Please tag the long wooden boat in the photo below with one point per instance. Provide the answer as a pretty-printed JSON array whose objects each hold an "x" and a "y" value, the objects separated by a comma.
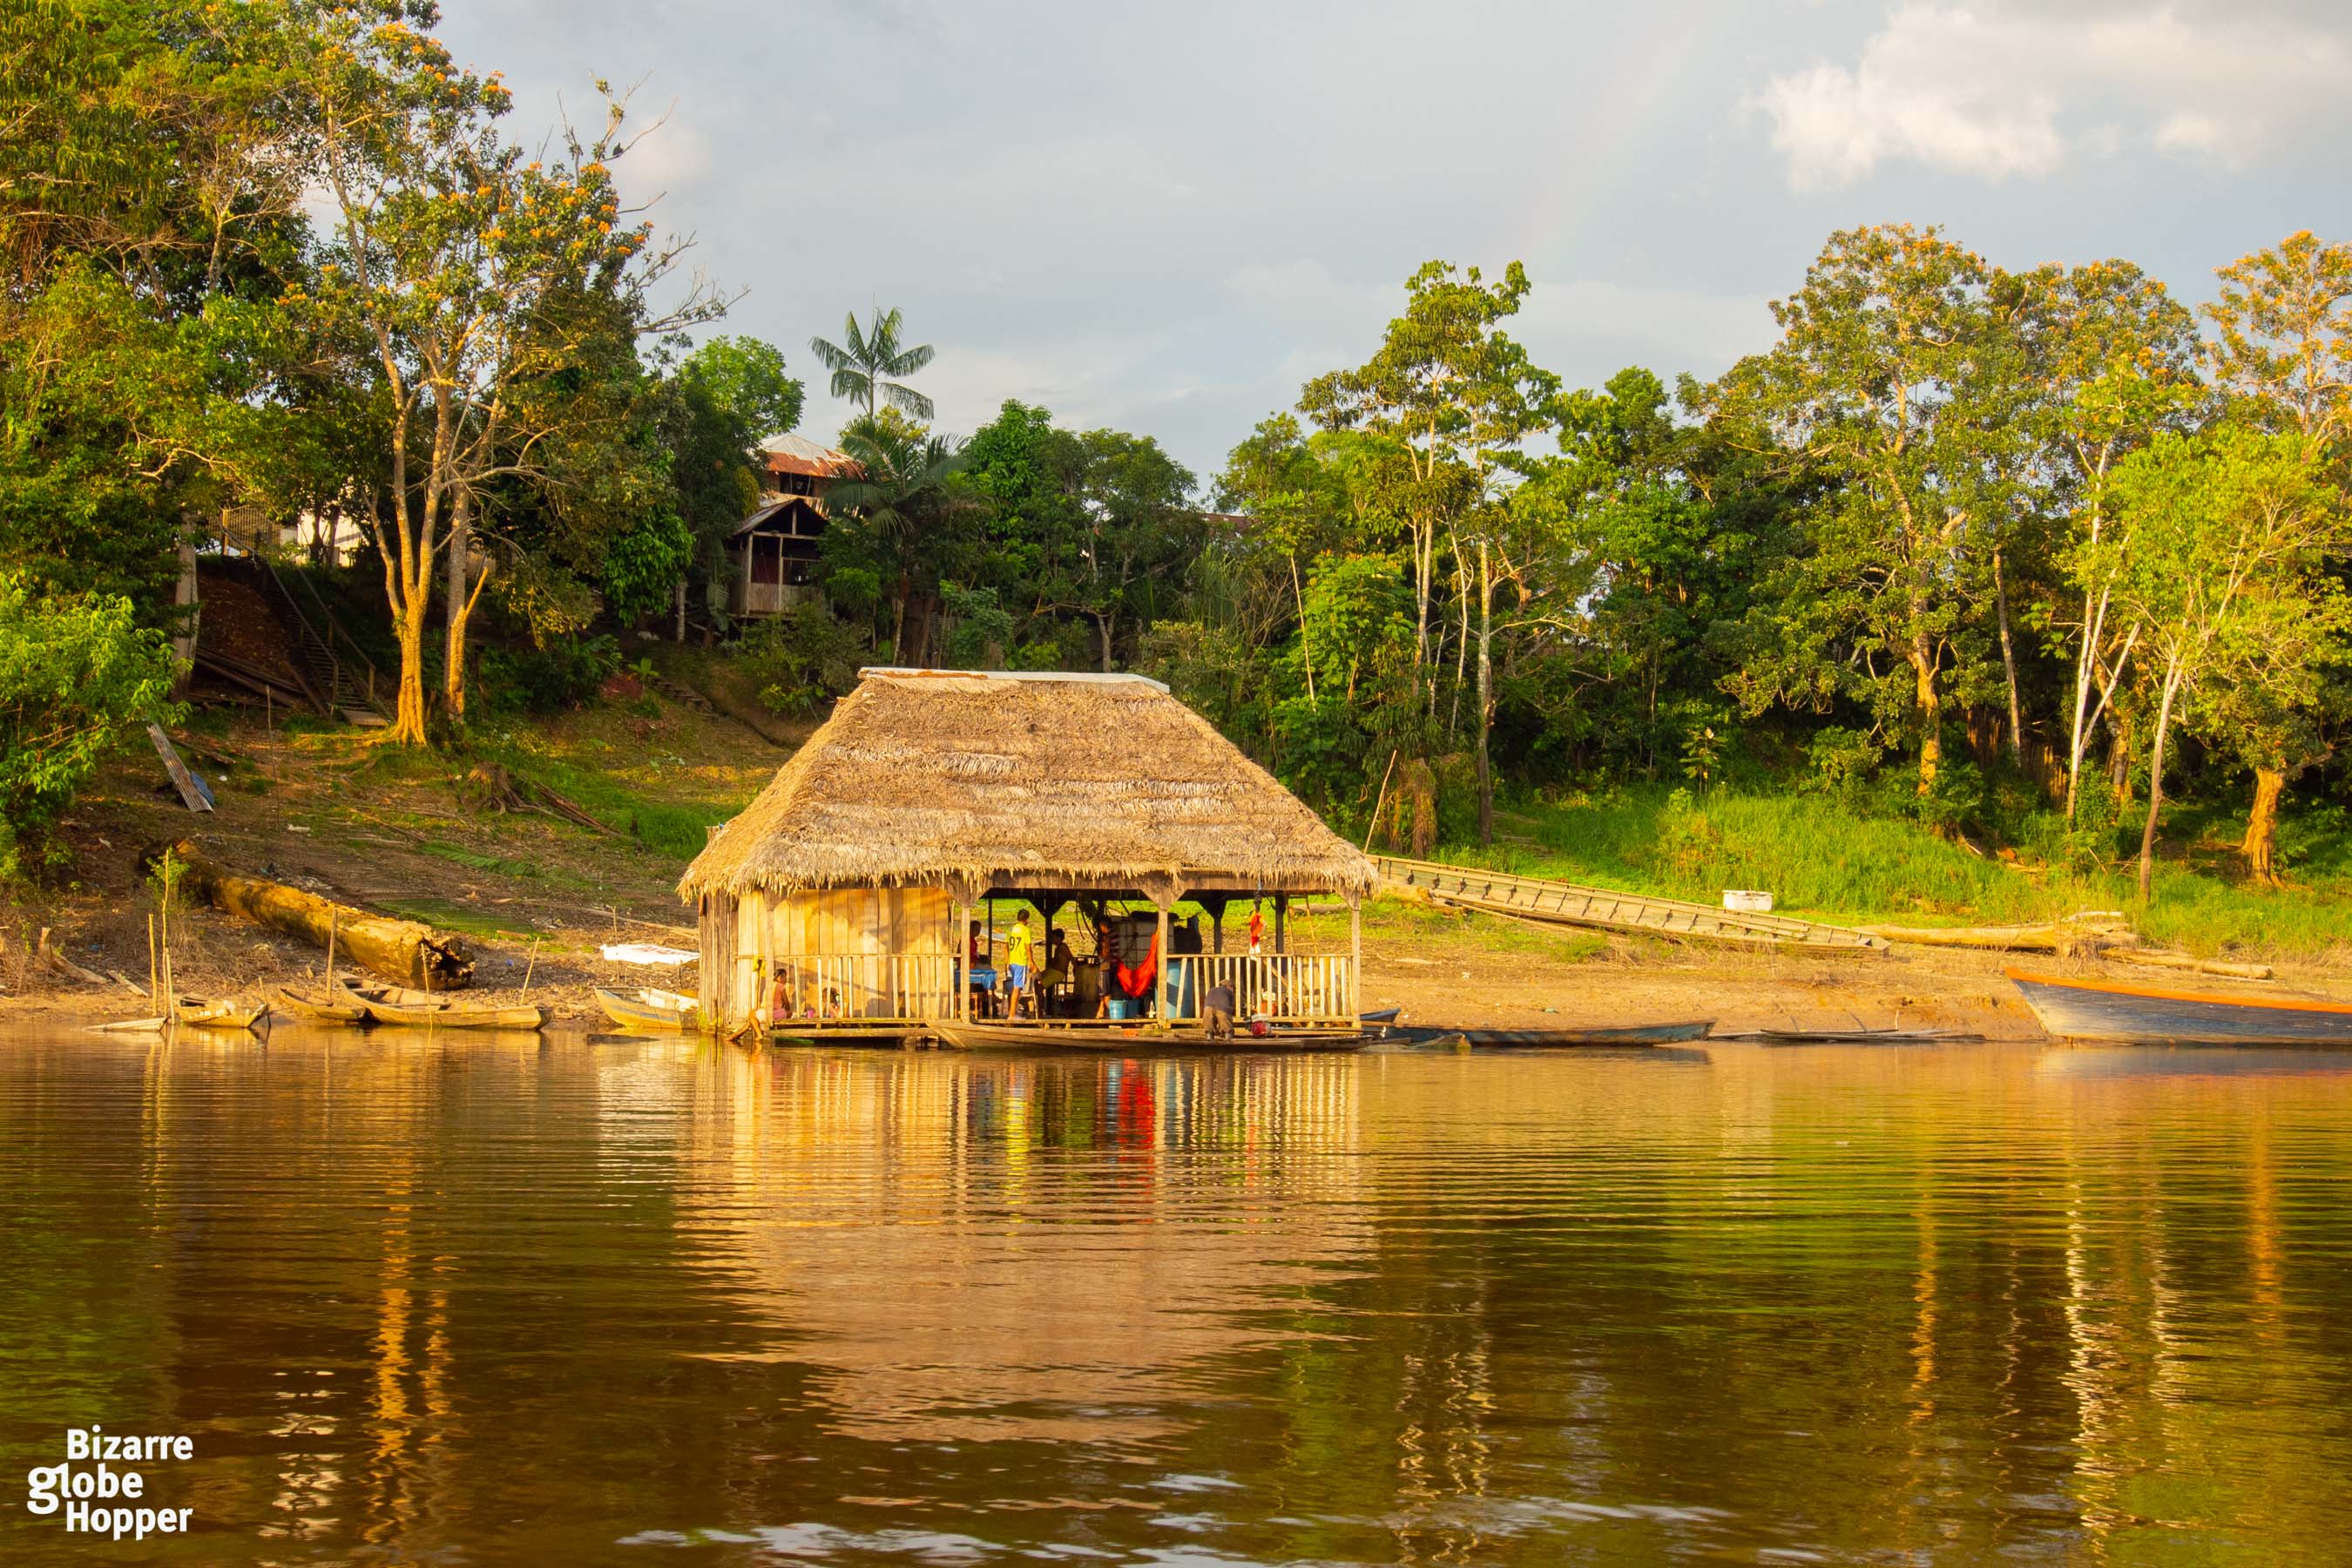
[
  {"x": 1131, "y": 1041},
  {"x": 2147, "y": 1014},
  {"x": 1550, "y": 1040},
  {"x": 647, "y": 1009},
  {"x": 1600, "y": 909},
  {"x": 1861, "y": 1036},
  {"x": 452, "y": 1016}
]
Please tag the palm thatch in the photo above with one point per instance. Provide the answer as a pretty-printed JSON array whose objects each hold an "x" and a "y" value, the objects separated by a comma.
[{"x": 925, "y": 778}]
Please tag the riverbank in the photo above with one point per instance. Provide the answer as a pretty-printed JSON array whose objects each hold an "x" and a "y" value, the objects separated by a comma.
[{"x": 538, "y": 894}]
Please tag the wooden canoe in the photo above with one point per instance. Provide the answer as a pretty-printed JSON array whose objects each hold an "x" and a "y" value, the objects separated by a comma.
[
  {"x": 2150, "y": 1016},
  {"x": 1132, "y": 1040},
  {"x": 1549, "y": 1039},
  {"x": 318, "y": 1005},
  {"x": 449, "y": 1016},
  {"x": 1865, "y": 1036},
  {"x": 647, "y": 1009},
  {"x": 196, "y": 1012}
]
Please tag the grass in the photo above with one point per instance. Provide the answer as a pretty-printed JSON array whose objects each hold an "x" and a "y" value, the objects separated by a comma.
[{"x": 1823, "y": 859}]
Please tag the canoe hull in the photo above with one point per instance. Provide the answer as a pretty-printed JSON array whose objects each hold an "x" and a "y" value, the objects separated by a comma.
[
  {"x": 637, "y": 1010},
  {"x": 400, "y": 1017},
  {"x": 320, "y": 1008},
  {"x": 1549, "y": 1039},
  {"x": 2105, "y": 1010}
]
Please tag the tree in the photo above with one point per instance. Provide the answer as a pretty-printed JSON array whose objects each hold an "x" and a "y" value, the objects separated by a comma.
[
  {"x": 2283, "y": 343},
  {"x": 717, "y": 406},
  {"x": 2113, "y": 356},
  {"x": 2218, "y": 539},
  {"x": 451, "y": 259},
  {"x": 896, "y": 499},
  {"x": 1445, "y": 393},
  {"x": 75, "y": 672},
  {"x": 1893, "y": 384},
  {"x": 872, "y": 354}
]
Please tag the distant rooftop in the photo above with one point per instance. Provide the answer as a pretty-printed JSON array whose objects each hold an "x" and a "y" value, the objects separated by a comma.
[{"x": 789, "y": 454}]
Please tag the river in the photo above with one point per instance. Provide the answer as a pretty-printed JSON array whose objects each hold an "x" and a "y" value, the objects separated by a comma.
[{"x": 573, "y": 1300}]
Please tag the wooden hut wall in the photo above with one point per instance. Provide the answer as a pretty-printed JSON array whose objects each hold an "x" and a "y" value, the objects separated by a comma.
[{"x": 855, "y": 952}]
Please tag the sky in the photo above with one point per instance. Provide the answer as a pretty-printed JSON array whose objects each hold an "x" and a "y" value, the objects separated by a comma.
[{"x": 1164, "y": 218}]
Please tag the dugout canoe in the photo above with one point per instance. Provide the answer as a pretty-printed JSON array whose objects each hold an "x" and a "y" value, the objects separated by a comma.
[
  {"x": 2153, "y": 1016},
  {"x": 1550, "y": 1040},
  {"x": 451, "y": 1015},
  {"x": 647, "y": 1009}
]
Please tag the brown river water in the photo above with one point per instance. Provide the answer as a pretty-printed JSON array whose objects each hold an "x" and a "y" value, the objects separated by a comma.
[{"x": 514, "y": 1300}]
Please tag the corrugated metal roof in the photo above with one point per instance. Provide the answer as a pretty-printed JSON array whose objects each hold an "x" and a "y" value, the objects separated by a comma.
[{"x": 789, "y": 454}]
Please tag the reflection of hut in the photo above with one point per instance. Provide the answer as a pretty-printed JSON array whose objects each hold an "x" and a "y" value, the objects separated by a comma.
[
  {"x": 929, "y": 793},
  {"x": 776, "y": 546}
]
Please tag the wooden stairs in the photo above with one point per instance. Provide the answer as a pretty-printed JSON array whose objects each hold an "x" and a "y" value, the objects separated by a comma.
[
  {"x": 1600, "y": 909},
  {"x": 342, "y": 681}
]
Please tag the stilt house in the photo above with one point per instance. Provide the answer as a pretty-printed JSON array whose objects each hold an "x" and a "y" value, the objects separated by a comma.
[{"x": 931, "y": 794}]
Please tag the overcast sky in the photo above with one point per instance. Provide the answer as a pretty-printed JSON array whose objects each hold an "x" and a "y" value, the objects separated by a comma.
[{"x": 1165, "y": 217}]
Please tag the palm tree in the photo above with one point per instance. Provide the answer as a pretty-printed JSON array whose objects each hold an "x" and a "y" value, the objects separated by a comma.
[
  {"x": 859, "y": 369},
  {"x": 900, "y": 493}
]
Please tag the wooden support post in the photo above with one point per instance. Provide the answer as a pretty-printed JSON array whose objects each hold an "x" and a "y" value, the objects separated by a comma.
[
  {"x": 959, "y": 971},
  {"x": 1355, "y": 959},
  {"x": 1217, "y": 929},
  {"x": 1281, "y": 923},
  {"x": 1160, "y": 980}
]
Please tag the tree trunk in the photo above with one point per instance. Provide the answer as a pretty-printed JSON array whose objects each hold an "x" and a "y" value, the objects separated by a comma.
[
  {"x": 1103, "y": 628},
  {"x": 183, "y": 598},
  {"x": 2009, "y": 664},
  {"x": 2078, "y": 734},
  {"x": 402, "y": 951},
  {"x": 408, "y": 712},
  {"x": 453, "y": 672},
  {"x": 1485, "y": 695},
  {"x": 1931, "y": 713},
  {"x": 2261, "y": 844},
  {"x": 1306, "y": 649},
  {"x": 2156, "y": 781},
  {"x": 680, "y": 638}
]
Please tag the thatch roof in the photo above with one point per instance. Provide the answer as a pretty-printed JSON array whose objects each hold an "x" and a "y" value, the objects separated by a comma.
[{"x": 926, "y": 777}]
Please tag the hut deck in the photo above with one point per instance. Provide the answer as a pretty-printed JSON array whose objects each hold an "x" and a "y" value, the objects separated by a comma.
[
  {"x": 1600, "y": 908},
  {"x": 1086, "y": 1035}
]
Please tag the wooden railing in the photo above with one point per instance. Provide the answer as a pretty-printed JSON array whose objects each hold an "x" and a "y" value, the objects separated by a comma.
[
  {"x": 771, "y": 598},
  {"x": 854, "y": 986},
  {"x": 1288, "y": 988}
]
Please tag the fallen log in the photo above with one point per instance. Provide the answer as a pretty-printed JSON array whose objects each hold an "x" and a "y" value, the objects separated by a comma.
[
  {"x": 402, "y": 951},
  {"x": 2157, "y": 959},
  {"x": 2006, "y": 939}
]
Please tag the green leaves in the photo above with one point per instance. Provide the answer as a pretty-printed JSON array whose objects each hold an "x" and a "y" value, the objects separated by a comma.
[{"x": 75, "y": 672}]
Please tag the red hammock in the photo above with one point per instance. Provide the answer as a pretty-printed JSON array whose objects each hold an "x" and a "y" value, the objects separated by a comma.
[{"x": 1134, "y": 982}]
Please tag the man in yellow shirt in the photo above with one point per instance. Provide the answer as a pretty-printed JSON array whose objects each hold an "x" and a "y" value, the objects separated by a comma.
[{"x": 1016, "y": 963}]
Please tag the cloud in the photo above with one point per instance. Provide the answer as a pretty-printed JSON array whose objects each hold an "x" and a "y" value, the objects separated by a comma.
[{"x": 1993, "y": 92}]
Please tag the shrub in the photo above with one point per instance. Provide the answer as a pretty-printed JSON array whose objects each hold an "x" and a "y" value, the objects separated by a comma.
[
  {"x": 562, "y": 675},
  {"x": 75, "y": 672},
  {"x": 800, "y": 660}
]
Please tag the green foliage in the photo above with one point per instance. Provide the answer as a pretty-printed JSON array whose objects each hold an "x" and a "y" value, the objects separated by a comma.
[
  {"x": 869, "y": 364},
  {"x": 800, "y": 659},
  {"x": 75, "y": 674},
  {"x": 565, "y": 674}
]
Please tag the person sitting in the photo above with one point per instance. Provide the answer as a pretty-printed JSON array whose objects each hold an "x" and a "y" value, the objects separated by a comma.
[{"x": 1056, "y": 975}]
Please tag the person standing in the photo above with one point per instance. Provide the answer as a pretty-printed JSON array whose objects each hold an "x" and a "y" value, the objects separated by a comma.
[
  {"x": 1016, "y": 963},
  {"x": 1257, "y": 927}
]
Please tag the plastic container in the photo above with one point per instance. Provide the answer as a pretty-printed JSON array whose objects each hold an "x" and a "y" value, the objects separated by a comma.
[
  {"x": 1117, "y": 1008},
  {"x": 1747, "y": 900}
]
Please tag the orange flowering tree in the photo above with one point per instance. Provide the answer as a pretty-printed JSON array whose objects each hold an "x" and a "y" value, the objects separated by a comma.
[{"x": 480, "y": 287}]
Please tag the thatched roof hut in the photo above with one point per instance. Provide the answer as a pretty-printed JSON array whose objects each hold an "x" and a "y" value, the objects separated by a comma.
[
  {"x": 934, "y": 778},
  {"x": 929, "y": 791}
]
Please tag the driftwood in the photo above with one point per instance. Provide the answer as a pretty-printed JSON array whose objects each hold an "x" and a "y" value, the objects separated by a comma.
[
  {"x": 504, "y": 791},
  {"x": 2157, "y": 959},
  {"x": 2052, "y": 938},
  {"x": 402, "y": 951}
]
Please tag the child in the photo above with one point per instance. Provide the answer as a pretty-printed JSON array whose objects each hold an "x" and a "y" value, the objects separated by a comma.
[
  {"x": 1256, "y": 926},
  {"x": 1016, "y": 962}
]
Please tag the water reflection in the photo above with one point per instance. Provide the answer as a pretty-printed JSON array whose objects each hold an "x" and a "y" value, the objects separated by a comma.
[{"x": 570, "y": 1300}]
